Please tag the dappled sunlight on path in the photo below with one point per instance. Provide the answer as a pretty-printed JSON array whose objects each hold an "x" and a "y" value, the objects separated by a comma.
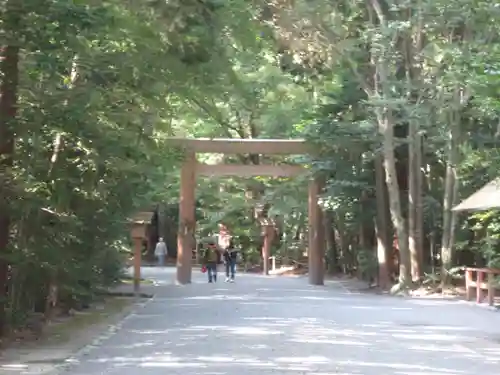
[{"x": 265, "y": 326}]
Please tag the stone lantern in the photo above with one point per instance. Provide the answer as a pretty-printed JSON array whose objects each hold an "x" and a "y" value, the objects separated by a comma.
[{"x": 138, "y": 232}]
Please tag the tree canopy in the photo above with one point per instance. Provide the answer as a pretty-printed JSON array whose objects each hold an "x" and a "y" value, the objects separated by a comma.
[{"x": 400, "y": 100}]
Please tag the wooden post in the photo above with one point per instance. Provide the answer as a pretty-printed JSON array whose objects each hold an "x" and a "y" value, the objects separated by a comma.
[
  {"x": 137, "y": 263},
  {"x": 468, "y": 284},
  {"x": 266, "y": 248},
  {"x": 491, "y": 288},
  {"x": 479, "y": 286},
  {"x": 185, "y": 235},
  {"x": 316, "y": 236}
]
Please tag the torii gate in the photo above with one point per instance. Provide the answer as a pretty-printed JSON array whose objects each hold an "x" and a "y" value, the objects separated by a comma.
[{"x": 191, "y": 168}]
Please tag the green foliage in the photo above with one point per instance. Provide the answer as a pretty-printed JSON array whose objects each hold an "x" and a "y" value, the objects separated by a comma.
[
  {"x": 103, "y": 85},
  {"x": 99, "y": 89}
]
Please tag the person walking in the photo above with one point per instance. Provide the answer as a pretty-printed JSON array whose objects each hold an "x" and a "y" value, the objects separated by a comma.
[
  {"x": 210, "y": 259},
  {"x": 161, "y": 251},
  {"x": 230, "y": 257}
]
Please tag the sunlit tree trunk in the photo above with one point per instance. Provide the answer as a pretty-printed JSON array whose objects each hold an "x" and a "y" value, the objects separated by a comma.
[
  {"x": 449, "y": 200},
  {"x": 413, "y": 46},
  {"x": 382, "y": 223},
  {"x": 382, "y": 94},
  {"x": 453, "y": 110},
  {"x": 386, "y": 129},
  {"x": 415, "y": 202}
]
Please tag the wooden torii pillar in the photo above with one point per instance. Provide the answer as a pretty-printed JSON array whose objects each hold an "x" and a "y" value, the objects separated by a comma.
[
  {"x": 185, "y": 235},
  {"x": 191, "y": 168}
]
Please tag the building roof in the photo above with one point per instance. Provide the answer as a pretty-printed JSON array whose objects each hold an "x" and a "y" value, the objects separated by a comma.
[{"x": 486, "y": 198}]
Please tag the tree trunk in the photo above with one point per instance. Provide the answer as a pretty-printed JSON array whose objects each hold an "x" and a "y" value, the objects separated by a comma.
[
  {"x": 382, "y": 223},
  {"x": 268, "y": 232},
  {"x": 286, "y": 250},
  {"x": 413, "y": 65},
  {"x": 9, "y": 71},
  {"x": 340, "y": 235},
  {"x": 364, "y": 241},
  {"x": 419, "y": 215},
  {"x": 430, "y": 255},
  {"x": 450, "y": 198},
  {"x": 57, "y": 149},
  {"x": 332, "y": 257},
  {"x": 382, "y": 93},
  {"x": 460, "y": 99},
  {"x": 415, "y": 201},
  {"x": 386, "y": 129}
]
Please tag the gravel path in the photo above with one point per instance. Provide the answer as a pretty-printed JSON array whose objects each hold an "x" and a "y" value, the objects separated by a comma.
[{"x": 264, "y": 325}]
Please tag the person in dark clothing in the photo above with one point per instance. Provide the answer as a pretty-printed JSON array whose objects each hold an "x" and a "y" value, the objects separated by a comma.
[
  {"x": 210, "y": 259},
  {"x": 230, "y": 257}
]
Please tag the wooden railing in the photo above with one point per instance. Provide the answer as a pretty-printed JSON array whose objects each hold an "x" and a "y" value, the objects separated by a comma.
[{"x": 481, "y": 279}]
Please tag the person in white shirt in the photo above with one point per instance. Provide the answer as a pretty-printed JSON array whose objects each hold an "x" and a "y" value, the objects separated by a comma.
[{"x": 161, "y": 252}]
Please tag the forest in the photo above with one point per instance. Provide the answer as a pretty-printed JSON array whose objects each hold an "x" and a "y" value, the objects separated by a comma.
[{"x": 399, "y": 99}]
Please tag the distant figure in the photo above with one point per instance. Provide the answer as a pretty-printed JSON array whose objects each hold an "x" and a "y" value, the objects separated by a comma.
[
  {"x": 210, "y": 259},
  {"x": 230, "y": 257},
  {"x": 161, "y": 251}
]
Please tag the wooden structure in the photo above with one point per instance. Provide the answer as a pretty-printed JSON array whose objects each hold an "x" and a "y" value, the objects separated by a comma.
[
  {"x": 191, "y": 168},
  {"x": 139, "y": 224},
  {"x": 481, "y": 279},
  {"x": 475, "y": 279},
  {"x": 486, "y": 198}
]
